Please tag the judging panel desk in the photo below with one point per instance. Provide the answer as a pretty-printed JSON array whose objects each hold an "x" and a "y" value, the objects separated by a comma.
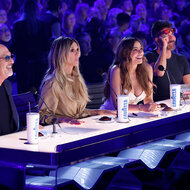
[{"x": 73, "y": 143}]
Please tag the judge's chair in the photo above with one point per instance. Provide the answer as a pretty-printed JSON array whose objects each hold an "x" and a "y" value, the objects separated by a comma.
[
  {"x": 96, "y": 94},
  {"x": 25, "y": 102}
]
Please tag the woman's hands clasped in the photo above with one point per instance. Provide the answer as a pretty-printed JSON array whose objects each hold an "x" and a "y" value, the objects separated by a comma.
[
  {"x": 150, "y": 107},
  {"x": 71, "y": 121}
]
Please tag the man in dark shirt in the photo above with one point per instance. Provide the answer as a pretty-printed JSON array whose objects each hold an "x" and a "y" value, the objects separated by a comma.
[
  {"x": 175, "y": 64},
  {"x": 8, "y": 113}
]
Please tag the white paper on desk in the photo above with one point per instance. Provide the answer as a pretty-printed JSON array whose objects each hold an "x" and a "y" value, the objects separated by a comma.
[
  {"x": 142, "y": 115},
  {"x": 77, "y": 130}
]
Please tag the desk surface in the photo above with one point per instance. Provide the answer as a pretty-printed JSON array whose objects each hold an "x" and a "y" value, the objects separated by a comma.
[{"x": 91, "y": 138}]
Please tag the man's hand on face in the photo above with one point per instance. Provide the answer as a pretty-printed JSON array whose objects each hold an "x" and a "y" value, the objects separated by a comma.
[{"x": 163, "y": 41}]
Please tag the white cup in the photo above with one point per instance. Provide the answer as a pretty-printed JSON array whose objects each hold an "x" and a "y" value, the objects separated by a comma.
[
  {"x": 175, "y": 90},
  {"x": 32, "y": 120},
  {"x": 122, "y": 108}
]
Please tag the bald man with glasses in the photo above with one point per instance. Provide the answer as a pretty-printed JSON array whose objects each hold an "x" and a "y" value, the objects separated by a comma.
[
  {"x": 164, "y": 60},
  {"x": 8, "y": 113}
]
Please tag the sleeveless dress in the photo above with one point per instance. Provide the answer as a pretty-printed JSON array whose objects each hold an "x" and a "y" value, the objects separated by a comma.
[{"x": 108, "y": 104}]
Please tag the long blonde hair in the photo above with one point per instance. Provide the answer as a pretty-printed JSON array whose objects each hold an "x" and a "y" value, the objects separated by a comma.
[
  {"x": 122, "y": 60},
  {"x": 57, "y": 58}
]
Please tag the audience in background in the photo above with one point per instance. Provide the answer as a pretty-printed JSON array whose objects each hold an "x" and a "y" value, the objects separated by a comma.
[
  {"x": 97, "y": 30},
  {"x": 179, "y": 8},
  {"x": 93, "y": 13},
  {"x": 109, "y": 48},
  {"x": 134, "y": 25},
  {"x": 3, "y": 16},
  {"x": 103, "y": 9},
  {"x": 6, "y": 5},
  {"x": 142, "y": 13},
  {"x": 73, "y": 3},
  {"x": 68, "y": 23},
  {"x": 86, "y": 67},
  {"x": 184, "y": 31},
  {"x": 30, "y": 45},
  {"x": 140, "y": 10},
  {"x": 51, "y": 18},
  {"x": 151, "y": 12},
  {"x": 112, "y": 17},
  {"x": 81, "y": 15},
  {"x": 127, "y": 7},
  {"x": 98, "y": 18},
  {"x": 164, "y": 13},
  {"x": 141, "y": 35},
  {"x": 123, "y": 21},
  {"x": 84, "y": 40},
  {"x": 5, "y": 35},
  {"x": 14, "y": 14},
  {"x": 63, "y": 8},
  {"x": 108, "y": 3}
]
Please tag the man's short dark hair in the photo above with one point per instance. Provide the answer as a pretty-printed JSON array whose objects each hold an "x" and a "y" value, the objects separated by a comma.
[
  {"x": 122, "y": 18},
  {"x": 157, "y": 26}
]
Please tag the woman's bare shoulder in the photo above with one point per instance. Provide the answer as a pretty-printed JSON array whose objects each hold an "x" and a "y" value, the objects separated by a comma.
[
  {"x": 115, "y": 69},
  {"x": 148, "y": 68}
]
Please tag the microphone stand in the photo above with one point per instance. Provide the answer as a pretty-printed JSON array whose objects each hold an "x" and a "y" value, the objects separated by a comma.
[
  {"x": 182, "y": 95},
  {"x": 54, "y": 120},
  {"x": 168, "y": 77},
  {"x": 114, "y": 94}
]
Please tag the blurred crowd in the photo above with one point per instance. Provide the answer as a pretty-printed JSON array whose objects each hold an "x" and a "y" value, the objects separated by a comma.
[{"x": 28, "y": 28}]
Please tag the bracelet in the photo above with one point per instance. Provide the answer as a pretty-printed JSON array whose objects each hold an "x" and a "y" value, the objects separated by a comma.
[{"x": 140, "y": 107}]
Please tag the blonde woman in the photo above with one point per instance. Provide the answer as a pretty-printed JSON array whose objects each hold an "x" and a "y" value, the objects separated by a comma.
[
  {"x": 63, "y": 88},
  {"x": 131, "y": 75}
]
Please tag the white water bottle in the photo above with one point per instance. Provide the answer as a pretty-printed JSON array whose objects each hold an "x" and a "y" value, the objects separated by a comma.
[
  {"x": 175, "y": 90},
  {"x": 32, "y": 120},
  {"x": 122, "y": 108}
]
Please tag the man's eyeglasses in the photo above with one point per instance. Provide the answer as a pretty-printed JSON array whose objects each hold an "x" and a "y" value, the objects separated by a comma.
[
  {"x": 8, "y": 57},
  {"x": 166, "y": 31}
]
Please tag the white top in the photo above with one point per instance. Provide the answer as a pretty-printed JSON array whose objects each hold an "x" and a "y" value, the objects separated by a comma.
[
  {"x": 108, "y": 104},
  {"x": 135, "y": 99}
]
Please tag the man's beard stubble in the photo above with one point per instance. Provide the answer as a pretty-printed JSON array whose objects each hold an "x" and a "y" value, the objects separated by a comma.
[{"x": 171, "y": 45}]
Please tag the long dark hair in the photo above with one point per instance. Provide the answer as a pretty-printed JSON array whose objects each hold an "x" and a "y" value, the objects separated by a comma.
[{"x": 122, "y": 60}]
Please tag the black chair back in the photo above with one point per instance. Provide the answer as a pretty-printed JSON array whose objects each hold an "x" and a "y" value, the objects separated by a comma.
[
  {"x": 96, "y": 94},
  {"x": 24, "y": 102}
]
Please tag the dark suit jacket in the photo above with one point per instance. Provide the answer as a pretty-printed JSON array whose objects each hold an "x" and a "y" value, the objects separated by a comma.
[{"x": 8, "y": 89}]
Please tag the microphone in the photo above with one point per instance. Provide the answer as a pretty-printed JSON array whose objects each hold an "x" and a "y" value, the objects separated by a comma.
[
  {"x": 54, "y": 120},
  {"x": 161, "y": 68}
]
